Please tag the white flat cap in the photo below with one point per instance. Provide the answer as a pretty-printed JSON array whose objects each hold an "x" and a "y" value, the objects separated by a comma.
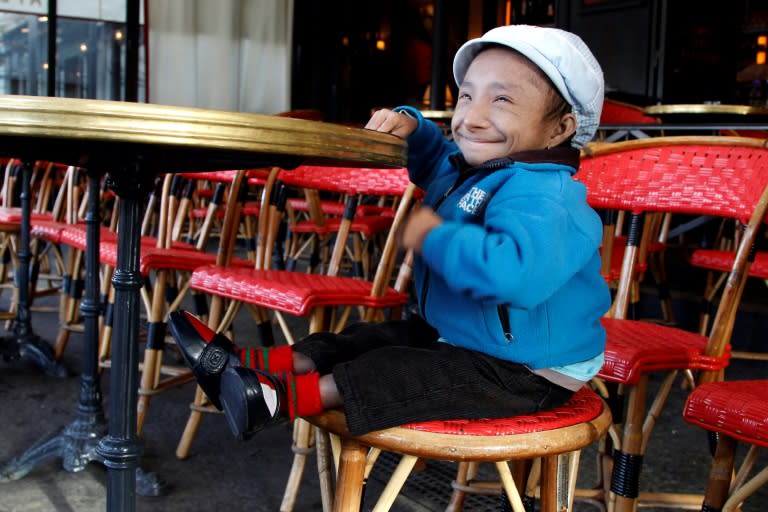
[{"x": 562, "y": 56}]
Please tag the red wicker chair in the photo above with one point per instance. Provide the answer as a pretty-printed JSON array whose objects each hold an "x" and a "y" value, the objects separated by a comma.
[
  {"x": 716, "y": 176},
  {"x": 621, "y": 113},
  {"x": 737, "y": 411},
  {"x": 316, "y": 296},
  {"x": 554, "y": 436},
  {"x": 718, "y": 261}
]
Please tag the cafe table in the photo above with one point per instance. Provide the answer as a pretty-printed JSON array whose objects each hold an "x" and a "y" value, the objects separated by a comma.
[
  {"x": 131, "y": 143},
  {"x": 708, "y": 113}
]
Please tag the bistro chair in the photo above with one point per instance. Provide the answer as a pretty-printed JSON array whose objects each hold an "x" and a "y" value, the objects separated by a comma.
[
  {"x": 717, "y": 262},
  {"x": 555, "y": 437},
  {"x": 717, "y": 176},
  {"x": 171, "y": 266},
  {"x": 326, "y": 198},
  {"x": 622, "y": 113},
  {"x": 325, "y": 299},
  {"x": 734, "y": 411},
  {"x": 45, "y": 207}
]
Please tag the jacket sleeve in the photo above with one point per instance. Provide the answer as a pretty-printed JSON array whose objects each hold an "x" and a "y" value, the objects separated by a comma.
[
  {"x": 529, "y": 245},
  {"x": 427, "y": 148}
]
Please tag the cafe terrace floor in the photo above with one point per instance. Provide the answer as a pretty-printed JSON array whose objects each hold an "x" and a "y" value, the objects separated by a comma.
[{"x": 250, "y": 476}]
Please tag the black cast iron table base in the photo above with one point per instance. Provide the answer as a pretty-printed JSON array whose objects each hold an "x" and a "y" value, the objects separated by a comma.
[
  {"x": 77, "y": 444},
  {"x": 24, "y": 345}
]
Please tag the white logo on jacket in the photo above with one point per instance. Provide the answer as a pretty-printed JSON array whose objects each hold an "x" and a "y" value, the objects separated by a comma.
[{"x": 472, "y": 200}]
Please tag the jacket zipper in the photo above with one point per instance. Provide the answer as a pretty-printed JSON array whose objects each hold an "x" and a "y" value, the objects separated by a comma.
[{"x": 506, "y": 327}]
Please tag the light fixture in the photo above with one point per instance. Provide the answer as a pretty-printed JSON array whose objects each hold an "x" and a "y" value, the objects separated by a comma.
[{"x": 762, "y": 42}]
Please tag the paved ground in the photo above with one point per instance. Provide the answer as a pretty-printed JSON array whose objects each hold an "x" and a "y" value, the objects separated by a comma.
[{"x": 251, "y": 475}]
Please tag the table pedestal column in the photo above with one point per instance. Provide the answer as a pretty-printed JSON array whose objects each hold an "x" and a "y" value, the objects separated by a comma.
[
  {"x": 120, "y": 449},
  {"x": 76, "y": 444},
  {"x": 24, "y": 345}
]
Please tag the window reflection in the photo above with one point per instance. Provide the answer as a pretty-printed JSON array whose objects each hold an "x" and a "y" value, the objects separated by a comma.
[{"x": 90, "y": 59}]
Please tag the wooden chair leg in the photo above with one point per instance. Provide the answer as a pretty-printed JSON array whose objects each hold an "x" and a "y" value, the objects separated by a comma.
[
  {"x": 456, "y": 502},
  {"x": 193, "y": 424},
  {"x": 510, "y": 487},
  {"x": 153, "y": 353},
  {"x": 302, "y": 446},
  {"x": 720, "y": 475},
  {"x": 326, "y": 469},
  {"x": 624, "y": 480},
  {"x": 349, "y": 487}
]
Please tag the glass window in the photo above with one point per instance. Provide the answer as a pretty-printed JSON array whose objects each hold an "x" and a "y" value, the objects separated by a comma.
[{"x": 90, "y": 49}]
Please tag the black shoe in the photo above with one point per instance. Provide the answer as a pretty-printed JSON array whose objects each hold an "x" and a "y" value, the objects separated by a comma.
[
  {"x": 205, "y": 351},
  {"x": 250, "y": 398}
]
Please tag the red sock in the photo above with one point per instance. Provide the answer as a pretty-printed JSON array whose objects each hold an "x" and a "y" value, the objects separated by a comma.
[
  {"x": 275, "y": 360},
  {"x": 303, "y": 395}
]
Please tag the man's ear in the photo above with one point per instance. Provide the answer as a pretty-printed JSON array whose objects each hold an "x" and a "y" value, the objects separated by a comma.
[{"x": 562, "y": 130}]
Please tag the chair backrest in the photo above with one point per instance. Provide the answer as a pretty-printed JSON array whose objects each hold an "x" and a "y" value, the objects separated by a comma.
[
  {"x": 701, "y": 175},
  {"x": 618, "y": 112},
  {"x": 350, "y": 182}
]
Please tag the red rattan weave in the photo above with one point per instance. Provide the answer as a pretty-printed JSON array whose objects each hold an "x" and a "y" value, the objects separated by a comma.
[
  {"x": 636, "y": 347},
  {"x": 583, "y": 406},
  {"x": 616, "y": 112},
  {"x": 13, "y": 216},
  {"x": 294, "y": 293},
  {"x": 49, "y": 230},
  {"x": 75, "y": 236},
  {"x": 723, "y": 261},
  {"x": 687, "y": 178},
  {"x": 737, "y": 408},
  {"x": 352, "y": 180},
  {"x": 153, "y": 258},
  {"x": 368, "y": 225}
]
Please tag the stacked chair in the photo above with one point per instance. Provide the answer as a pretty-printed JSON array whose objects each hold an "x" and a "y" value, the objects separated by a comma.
[
  {"x": 701, "y": 176},
  {"x": 46, "y": 207},
  {"x": 717, "y": 261},
  {"x": 326, "y": 299},
  {"x": 622, "y": 113},
  {"x": 166, "y": 266}
]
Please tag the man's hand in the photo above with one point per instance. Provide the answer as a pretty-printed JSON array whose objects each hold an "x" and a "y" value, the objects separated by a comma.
[
  {"x": 416, "y": 226},
  {"x": 387, "y": 121}
]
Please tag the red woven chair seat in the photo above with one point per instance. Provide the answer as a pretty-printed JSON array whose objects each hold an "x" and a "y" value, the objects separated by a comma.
[
  {"x": 736, "y": 408},
  {"x": 368, "y": 225},
  {"x": 250, "y": 208},
  {"x": 723, "y": 261},
  {"x": 582, "y": 407},
  {"x": 153, "y": 258},
  {"x": 294, "y": 293},
  {"x": 201, "y": 213},
  {"x": 255, "y": 176},
  {"x": 13, "y": 216},
  {"x": 636, "y": 347},
  {"x": 75, "y": 236},
  {"x": 388, "y": 182},
  {"x": 617, "y": 258},
  {"x": 49, "y": 230},
  {"x": 336, "y": 209}
]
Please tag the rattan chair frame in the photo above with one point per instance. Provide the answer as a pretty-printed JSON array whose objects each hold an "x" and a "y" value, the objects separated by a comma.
[{"x": 700, "y": 180}]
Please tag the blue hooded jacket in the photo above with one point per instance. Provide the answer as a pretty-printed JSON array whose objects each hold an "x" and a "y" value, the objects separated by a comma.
[{"x": 514, "y": 269}]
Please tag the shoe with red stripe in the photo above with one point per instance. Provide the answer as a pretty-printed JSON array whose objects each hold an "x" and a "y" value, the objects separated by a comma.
[{"x": 205, "y": 351}]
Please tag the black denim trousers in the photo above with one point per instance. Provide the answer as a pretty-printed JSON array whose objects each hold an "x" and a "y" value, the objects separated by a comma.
[{"x": 397, "y": 372}]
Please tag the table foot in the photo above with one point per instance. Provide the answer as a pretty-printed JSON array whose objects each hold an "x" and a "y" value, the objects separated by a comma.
[
  {"x": 150, "y": 484},
  {"x": 76, "y": 446},
  {"x": 34, "y": 351}
]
